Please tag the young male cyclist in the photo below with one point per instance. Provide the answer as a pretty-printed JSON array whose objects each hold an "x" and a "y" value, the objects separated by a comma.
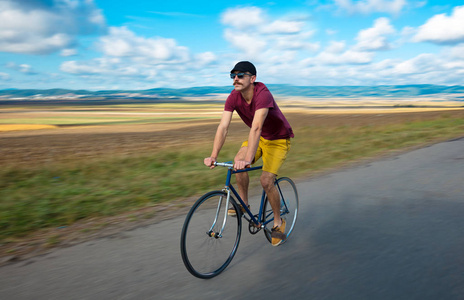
[{"x": 269, "y": 138}]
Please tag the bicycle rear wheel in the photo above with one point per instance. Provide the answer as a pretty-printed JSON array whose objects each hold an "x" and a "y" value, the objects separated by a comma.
[
  {"x": 288, "y": 207},
  {"x": 205, "y": 251}
]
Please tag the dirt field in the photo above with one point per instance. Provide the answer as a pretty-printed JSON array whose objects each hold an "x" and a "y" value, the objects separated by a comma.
[{"x": 35, "y": 147}]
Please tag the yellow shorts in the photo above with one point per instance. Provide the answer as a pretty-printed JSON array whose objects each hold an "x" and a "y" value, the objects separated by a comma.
[{"x": 273, "y": 152}]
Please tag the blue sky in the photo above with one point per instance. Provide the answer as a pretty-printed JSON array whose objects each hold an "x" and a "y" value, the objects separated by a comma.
[{"x": 142, "y": 44}]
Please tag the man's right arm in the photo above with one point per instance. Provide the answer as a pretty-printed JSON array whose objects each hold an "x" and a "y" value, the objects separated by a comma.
[{"x": 220, "y": 138}]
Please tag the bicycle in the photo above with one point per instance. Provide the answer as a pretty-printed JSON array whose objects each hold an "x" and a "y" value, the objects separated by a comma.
[{"x": 210, "y": 238}]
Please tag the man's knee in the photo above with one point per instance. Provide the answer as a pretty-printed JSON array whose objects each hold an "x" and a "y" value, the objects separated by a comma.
[{"x": 267, "y": 180}]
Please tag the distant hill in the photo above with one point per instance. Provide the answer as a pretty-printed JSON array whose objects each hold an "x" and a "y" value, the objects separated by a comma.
[
  {"x": 366, "y": 91},
  {"x": 276, "y": 89}
]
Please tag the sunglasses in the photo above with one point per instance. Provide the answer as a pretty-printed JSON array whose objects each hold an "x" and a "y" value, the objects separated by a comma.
[{"x": 239, "y": 75}]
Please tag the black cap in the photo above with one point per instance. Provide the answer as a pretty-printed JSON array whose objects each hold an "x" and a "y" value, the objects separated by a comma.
[{"x": 244, "y": 66}]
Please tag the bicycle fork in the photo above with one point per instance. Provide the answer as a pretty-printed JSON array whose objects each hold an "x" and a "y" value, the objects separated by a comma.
[{"x": 218, "y": 235}]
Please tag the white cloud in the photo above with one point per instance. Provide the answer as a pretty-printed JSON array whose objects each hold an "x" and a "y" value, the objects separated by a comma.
[
  {"x": 121, "y": 42},
  {"x": 426, "y": 68},
  {"x": 243, "y": 18},
  {"x": 456, "y": 52},
  {"x": 442, "y": 29},
  {"x": 68, "y": 52},
  {"x": 205, "y": 59},
  {"x": 421, "y": 63},
  {"x": 331, "y": 31},
  {"x": 74, "y": 67},
  {"x": 336, "y": 47},
  {"x": 374, "y": 38},
  {"x": 127, "y": 57},
  {"x": 160, "y": 61},
  {"x": 422, "y": 69},
  {"x": 42, "y": 27},
  {"x": 371, "y": 6},
  {"x": 4, "y": 76},
  {"x": 368, "y": 41},
  {"x": 251, "y": 44},
  {"x": 23, "y": 68},
  {"x": 298, "y": 42},
  {"x": 263, "y": 39},
  {"x": 285, "y": 27},
  {"x": 407, "y": 34},
  {"x": 348, "y": 57}
]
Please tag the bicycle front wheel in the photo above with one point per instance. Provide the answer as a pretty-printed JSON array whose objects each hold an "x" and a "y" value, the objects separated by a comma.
[
  {"x": 288, "y": 207},
  {"x": 210, "y": 238}
]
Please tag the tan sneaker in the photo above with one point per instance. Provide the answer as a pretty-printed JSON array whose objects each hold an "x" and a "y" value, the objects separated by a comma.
[
  {"x": 231, "y": 211},
  {"x": 278, "y": 234}
]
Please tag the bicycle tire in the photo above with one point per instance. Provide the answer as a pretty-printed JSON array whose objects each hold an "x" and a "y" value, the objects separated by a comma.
[
  {"x": 206, "y": 255},
  {"x": 289, "y": 207}
]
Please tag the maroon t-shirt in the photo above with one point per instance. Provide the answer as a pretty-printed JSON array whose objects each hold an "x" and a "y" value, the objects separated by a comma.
[{"x": 275, "y": 126}]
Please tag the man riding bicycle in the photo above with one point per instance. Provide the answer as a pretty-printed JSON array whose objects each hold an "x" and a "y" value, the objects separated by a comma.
[{"x": 269, "y": 138}]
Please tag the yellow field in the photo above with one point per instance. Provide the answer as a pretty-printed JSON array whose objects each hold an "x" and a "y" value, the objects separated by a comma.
[{"x": 15, "y": 127}]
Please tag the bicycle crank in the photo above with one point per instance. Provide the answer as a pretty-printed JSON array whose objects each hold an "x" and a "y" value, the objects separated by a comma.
[{"x": 252, "y": 227}]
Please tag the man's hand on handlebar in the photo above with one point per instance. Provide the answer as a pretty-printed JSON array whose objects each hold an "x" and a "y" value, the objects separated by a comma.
[
  {"x": 238, "y": 165},
  {"x": 241, "y": 164},
  {"x": 209, "y": 162}
]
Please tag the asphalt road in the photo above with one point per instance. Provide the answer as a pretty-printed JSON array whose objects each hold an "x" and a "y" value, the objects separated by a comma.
[{"x": 389, "y": 229}]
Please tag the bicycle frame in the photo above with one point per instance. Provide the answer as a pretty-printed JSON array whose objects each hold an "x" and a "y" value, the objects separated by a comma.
[{"x": 230, "y": 188}]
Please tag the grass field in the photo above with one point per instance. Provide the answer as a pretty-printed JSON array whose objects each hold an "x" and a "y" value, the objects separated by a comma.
[{"x": 64, "y": 184}]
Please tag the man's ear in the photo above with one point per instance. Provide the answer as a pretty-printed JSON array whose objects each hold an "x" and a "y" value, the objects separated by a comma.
[{"x": 253, "y": 78}]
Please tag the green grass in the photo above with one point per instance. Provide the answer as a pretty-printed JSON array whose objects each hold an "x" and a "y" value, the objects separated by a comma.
[
  {"x": 323, "y": 147},
  {"x": 62, "y": 193}
]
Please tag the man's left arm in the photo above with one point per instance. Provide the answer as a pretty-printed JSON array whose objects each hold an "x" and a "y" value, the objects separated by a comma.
[{"x": 253, "y": 138}]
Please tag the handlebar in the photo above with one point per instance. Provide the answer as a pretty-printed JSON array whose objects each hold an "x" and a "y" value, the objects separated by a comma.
[
  {"x": 230, "y": 165},
  {"x": 224, "y": 164}
]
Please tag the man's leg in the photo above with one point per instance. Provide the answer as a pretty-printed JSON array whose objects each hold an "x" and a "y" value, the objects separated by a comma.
[
  {"x": 274, "y": 154},
  {"x": 242, "y": 178},
  {"x": 267, "y": 181}
]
